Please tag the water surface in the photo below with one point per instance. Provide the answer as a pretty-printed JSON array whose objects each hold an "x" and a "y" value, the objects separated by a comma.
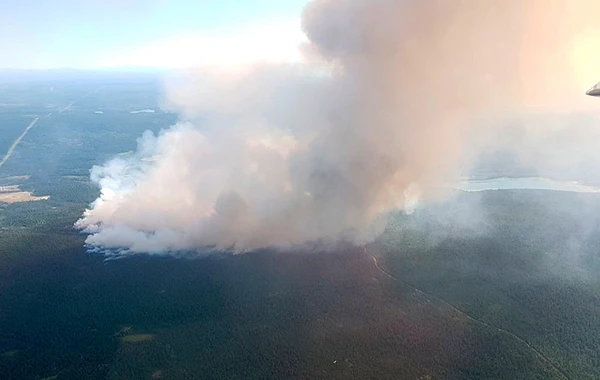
[{"x": 530, "y": 183}]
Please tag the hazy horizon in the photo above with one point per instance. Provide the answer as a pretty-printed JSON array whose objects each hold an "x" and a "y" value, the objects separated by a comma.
[{"x": 68, "y": 33}]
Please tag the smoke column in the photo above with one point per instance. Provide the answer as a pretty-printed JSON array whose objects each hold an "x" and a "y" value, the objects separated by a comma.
[{"x": 375, "y": 118}]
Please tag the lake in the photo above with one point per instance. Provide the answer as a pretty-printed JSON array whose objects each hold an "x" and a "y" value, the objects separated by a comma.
[{"x": 531, "y": 183}]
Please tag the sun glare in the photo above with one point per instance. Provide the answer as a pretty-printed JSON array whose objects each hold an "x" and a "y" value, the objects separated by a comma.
[{"x": 271, "y": 41}]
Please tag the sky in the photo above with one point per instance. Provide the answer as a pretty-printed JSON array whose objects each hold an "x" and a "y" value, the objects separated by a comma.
[{"x": 90, "y": 34}]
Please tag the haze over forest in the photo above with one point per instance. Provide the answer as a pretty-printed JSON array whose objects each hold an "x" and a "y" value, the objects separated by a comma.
[{"x": 337, "y": 189}]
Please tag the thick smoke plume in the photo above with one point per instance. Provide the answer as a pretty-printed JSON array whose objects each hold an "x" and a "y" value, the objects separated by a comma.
[{"x": 376, "y": 118}]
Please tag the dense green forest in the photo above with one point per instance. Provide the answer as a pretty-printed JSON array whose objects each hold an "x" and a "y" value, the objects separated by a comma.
[
  {"x": 524, "y": 261},
  {"x": 489, "y": 285},
  {"x": 273, "y": 315}
]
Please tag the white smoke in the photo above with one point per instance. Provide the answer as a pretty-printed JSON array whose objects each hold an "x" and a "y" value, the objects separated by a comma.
[{"x": 376, "y": 119}]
